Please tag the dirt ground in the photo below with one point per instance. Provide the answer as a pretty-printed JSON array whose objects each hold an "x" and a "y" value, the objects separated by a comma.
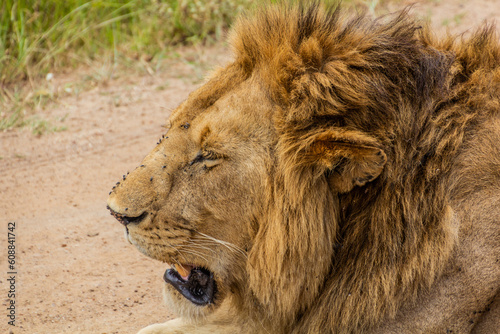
[{"x": 75, "y": 273}]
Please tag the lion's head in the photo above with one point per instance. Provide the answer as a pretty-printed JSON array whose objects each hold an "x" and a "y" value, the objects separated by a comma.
[
  {"x": 196, "y": 199},
  {"x": 299, "y": 175}
]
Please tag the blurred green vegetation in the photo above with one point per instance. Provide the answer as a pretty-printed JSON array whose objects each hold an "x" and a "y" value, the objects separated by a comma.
[{"x": 38, "y": 35}]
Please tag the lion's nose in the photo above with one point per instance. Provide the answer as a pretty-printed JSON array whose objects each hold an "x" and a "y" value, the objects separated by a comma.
[{"x": 125, "y": 220}]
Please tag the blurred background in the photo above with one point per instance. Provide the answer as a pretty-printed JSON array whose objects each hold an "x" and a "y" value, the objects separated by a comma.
[
  {"x": 39, "y": 38},
  {"x": 85, "y": 87}
]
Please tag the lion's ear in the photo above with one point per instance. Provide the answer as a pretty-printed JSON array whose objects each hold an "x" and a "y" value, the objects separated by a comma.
[{"x": 350, "y": 159}]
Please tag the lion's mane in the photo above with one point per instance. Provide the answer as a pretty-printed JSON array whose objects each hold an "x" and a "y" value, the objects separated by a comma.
[{"x": 387, "y": 83}]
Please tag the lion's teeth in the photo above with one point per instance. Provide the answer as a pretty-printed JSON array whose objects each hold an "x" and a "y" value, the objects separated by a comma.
[{"x": 181, "y": 270}]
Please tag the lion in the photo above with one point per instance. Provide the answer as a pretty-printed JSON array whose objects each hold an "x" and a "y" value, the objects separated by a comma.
[{"x": 340, "y": 175}]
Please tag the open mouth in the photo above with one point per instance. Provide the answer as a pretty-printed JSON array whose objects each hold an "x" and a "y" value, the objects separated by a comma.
[{"x": 196, "y": 284}]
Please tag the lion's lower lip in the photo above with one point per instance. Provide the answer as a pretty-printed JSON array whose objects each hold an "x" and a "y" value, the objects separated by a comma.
[{"x": 199, "y": 287}]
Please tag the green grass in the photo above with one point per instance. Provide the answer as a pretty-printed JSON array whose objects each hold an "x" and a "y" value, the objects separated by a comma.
[{"x": 38, "y": 37}]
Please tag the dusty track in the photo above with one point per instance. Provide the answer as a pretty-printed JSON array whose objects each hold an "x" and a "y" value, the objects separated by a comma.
[{"x": 76, "y": 274}]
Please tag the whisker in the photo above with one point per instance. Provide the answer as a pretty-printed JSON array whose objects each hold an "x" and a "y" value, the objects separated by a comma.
[
  {"x": 226, "y": 244},
  {"x": 200, "y": 247},
  {"x": 195, "y": 253}
]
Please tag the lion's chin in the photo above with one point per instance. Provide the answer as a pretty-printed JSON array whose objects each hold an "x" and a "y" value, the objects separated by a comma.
[{"x": 196, "y": 284}]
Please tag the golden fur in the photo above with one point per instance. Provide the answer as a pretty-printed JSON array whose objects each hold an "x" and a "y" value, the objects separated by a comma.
[{"x": 342, "y": 175}]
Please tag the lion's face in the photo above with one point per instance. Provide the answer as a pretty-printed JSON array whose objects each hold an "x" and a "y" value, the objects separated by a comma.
[
  {"x": 214, "y": 197},
  {"x": 192, "y": 201}
]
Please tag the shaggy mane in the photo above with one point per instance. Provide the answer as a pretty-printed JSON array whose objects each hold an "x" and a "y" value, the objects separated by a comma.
[{"x": 386, "y": 81}]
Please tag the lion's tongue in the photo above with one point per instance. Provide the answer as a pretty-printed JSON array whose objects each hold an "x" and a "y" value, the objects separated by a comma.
[{"x": 183, "y": 270}]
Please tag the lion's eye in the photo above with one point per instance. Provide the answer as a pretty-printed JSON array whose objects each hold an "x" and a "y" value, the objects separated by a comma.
[{"x": 209, "y": 159}]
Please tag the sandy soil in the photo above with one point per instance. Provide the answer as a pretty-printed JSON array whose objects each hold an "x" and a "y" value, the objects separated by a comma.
[{"x": 75, "y": 272}]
